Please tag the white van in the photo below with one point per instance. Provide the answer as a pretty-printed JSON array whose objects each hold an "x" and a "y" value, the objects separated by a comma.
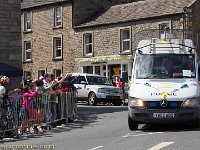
[
  {"x": 95, "y": 89},
  {"x": 165, "y": 85}
]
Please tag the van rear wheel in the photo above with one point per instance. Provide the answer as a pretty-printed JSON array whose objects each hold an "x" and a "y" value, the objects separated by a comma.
[
  {"x": 133, "y": 125},
  {"x": 92, "y": 100}
]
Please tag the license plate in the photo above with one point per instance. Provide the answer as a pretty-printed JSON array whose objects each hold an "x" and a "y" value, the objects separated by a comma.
[
  {"x": 163, "y": 115},
  {"x": 113, "y": 94}
]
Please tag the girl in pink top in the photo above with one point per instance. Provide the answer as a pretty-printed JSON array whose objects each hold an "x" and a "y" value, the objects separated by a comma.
[{"x": 27, "y": 99}]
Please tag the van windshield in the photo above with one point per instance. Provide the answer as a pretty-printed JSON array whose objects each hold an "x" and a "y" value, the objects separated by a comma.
[
  {"x": 96, "y": 80},
  {"x": 165, "y": 66}
]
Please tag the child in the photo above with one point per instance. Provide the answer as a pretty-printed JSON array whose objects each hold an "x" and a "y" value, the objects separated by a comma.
[{"x": 27, "y": 99}]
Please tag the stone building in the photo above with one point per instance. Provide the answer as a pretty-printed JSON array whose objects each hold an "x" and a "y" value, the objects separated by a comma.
[
  {"x": 106, "y": 43},
  {"x": 47, "y": 33},
  {"x": 101, "y": 35},
  {"x": 10, "y": 35},
  {"x": 47, "y": 37}
]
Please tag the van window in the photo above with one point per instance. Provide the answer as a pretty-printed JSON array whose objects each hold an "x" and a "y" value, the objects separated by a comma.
[{"x": 165, "y": 66}]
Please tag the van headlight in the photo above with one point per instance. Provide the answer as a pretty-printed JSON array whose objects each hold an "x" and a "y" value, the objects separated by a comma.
[
  {"x": 135, "y": 102},
  {"x": 191, "y": 102}
]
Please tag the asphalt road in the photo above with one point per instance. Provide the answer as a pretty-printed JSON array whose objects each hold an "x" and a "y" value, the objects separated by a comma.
[{"x": 105, "y": 128}]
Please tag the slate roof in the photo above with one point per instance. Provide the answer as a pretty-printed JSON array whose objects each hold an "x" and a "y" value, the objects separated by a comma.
[
  {"x": 35, "y": 3},
  {"x": 139, "y": 10}
]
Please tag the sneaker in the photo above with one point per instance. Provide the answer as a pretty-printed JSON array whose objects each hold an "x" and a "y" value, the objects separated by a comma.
[
  {"x": 19, "y": 131},
  {"x": 63, "y": 125},
  {"x": 40, "y": 130},
  {"x": 27, "y": 130},
  {"x": 32, "y": 130}
]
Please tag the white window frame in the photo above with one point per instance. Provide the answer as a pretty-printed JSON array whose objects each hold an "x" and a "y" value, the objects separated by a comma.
[
  {"x": 26, "y": 74},
  {"x": 27, "y": 50},
  {"x": 56, "y": 73},
  {"x": 57, "y": 19},
  {"x": 85, "y": 45},
  {"x": 55, "y": 49},
  {"x": 122, "y": 40},
  {"x": 161, "y": 23},
  {"x": 40, "y": 72},
  {"x": 26, "y": 29}
]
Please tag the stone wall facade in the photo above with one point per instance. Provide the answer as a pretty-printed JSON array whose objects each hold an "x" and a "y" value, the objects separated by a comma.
[
  {"x": 10, "y": 36},
  {"x": 10, "y": 32},
  {"x": 106, "y": 39},
  {"x": 196, "y": 20},
  {"x": 42, "y": 40}
]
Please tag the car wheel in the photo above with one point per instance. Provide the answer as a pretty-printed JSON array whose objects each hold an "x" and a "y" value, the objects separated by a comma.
[
  {"x": 92, "y": 100},
  {"x": 133, "y": 125}
]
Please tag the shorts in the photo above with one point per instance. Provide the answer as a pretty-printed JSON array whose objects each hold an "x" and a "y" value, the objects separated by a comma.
[{"x": 24, "y": 113}]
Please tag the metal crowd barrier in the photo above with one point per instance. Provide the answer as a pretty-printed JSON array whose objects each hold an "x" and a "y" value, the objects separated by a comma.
[{"x": 42, "y": 111}]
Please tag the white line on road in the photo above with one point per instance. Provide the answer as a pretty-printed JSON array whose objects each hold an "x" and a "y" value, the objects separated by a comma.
[
  {"x": 160, "y": 145},
  {"x": 96, "y": 147},
  {"x": 127, "y": 135}
]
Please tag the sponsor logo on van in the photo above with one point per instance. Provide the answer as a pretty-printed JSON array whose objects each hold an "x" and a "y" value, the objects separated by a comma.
[{"x": 160, "y": 94}]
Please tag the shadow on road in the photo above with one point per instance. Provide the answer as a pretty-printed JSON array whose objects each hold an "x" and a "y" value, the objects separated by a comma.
[
  {"x": 86, "y": 116},
  {"x": 89, "y": 114},
  {"x": 169, "y": 127}
]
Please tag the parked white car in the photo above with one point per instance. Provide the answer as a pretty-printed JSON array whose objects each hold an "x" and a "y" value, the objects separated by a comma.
[{"x": 95, "y": 89}]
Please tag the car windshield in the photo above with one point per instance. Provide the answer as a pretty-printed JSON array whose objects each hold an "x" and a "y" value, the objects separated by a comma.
[
  {"x": 96, "y": 80},
  {"x": 165, "y": 66}
]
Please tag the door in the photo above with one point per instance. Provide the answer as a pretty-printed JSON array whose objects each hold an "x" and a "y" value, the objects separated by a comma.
[{"x": 82, "y": 91}]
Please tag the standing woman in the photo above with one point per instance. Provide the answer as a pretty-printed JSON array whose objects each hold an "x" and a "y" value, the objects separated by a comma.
[{"x": 120, "y": 84}]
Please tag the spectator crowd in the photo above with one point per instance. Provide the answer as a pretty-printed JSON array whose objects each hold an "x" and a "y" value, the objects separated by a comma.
[{"x": 34, "y": 95}]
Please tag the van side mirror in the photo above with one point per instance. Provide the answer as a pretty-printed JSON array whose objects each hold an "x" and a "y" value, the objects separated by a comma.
[{"x": 83, "y": 82}]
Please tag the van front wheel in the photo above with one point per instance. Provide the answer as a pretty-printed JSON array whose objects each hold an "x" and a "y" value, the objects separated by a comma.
[
  {"x": 133, "y": 125},
  {"x": 92, "y": 100}
]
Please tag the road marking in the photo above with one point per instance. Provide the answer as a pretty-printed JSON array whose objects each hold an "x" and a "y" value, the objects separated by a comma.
[
  {"x": 128, "y": 135},
  {"x": 96, "y": 147},
  {"x": 160, "y": 145}
]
